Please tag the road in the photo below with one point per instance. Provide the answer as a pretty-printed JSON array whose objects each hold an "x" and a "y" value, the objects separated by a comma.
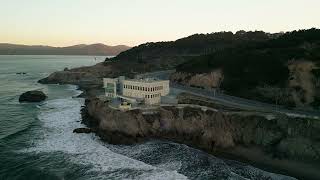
[
  {"x": 230, "y": 100},
  {"x": 243, "y": 103}
]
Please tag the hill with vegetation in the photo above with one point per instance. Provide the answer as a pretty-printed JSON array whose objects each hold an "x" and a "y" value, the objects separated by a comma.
[
  {"x": 171, "y": 53},
  {"x": 81, "y": 49},
  {"x": 281, "y": 70}
]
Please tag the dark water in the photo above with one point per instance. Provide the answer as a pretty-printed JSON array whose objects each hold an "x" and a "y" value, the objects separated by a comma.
[{"x": 36, "y": 140}]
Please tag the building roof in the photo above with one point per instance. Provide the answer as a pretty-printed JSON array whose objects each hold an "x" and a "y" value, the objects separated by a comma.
[{"x": 146, "y": 80}]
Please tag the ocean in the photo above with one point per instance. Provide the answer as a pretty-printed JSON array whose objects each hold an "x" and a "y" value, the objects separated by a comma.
[{"x": 36, "y": 139}]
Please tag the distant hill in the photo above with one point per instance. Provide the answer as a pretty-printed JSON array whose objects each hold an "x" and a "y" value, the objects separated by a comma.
[{"x": 81, "y": 49}]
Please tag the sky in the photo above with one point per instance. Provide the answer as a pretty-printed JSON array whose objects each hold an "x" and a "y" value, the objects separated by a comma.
[{"x": 132, "y": 22}]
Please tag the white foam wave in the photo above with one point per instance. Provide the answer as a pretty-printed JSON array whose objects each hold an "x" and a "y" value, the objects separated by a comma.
[{"x": 59, "y": 117}]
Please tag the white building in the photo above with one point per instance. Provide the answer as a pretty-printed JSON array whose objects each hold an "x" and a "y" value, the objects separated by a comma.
[{"x": 148, "y": 91}]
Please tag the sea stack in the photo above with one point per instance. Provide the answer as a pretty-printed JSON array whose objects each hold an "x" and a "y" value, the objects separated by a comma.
[{"x": 32, "y": 96}]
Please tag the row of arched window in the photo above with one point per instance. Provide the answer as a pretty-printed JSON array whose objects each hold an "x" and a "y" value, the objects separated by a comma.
[
  {"x": 152, "y": 96},
  {"x": 139, "y": 88}
]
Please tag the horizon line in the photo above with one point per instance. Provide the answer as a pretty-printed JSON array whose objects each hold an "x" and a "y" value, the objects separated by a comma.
[{"x": 93, "y": 43}]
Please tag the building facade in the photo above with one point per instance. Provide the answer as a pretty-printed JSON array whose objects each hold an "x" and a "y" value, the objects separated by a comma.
[{"x": 147, "y": 90}]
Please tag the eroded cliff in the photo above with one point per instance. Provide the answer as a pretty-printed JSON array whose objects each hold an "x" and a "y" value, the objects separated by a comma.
[{"x": 289, "y": 145}]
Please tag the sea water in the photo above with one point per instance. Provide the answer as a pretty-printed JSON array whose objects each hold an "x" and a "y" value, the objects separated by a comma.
[{"x": 36, "y": 139}]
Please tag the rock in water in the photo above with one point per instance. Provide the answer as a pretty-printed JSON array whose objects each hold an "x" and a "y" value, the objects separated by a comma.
[
  {"x": 32, "y": 96},
  {"x": 83, "y": 130}
]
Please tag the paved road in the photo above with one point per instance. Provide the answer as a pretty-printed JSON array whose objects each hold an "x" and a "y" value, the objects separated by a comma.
[
  {"x": 229, "y": 100},
  {"x": 243, "y": 103}
]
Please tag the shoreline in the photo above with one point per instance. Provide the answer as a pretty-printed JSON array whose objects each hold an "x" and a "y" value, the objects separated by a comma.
[{"x": 242, "y": 155}]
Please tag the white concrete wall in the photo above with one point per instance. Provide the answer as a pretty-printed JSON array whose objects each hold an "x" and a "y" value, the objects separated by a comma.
[{"x": 150, "y": 91}]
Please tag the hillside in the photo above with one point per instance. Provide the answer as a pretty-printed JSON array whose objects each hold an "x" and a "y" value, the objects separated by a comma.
[
  {"x": 161, "y": 55},
  {"x": 283, "y": 70},
  {"x": 82, "y": 49},
  {"x": 276, "y": 68}
]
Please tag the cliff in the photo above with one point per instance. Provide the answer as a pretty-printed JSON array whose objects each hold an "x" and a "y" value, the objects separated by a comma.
[{"x": 275, "y": 142}]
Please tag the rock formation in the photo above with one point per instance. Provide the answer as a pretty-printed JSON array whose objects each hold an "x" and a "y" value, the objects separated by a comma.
[
  {"x": 209, "y": 80},
  {"x": 287, "y": 144},
  {"x": 83, "y": 130},
  {"x": 32, "y": 96}
]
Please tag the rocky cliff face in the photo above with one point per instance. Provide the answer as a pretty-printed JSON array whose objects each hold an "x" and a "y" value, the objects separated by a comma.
[
  {"x": 302, "y": 82},
  {"x": 89, "y": 79},
  {"x": 290, "y": 145},
  {"x": 212, "y": 79}
]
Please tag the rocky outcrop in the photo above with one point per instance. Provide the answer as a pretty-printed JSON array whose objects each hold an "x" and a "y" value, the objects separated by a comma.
[
  {"x": 79, "y": 76},
  {"x": 32, "y": 96},
  {"x": 83, "y": 130},
  {"x": 287, "y": 144},
  {"x": 209, "y": 80},
  {"x": 302, "y": 82},
  {"x": 88, "y": 79}
]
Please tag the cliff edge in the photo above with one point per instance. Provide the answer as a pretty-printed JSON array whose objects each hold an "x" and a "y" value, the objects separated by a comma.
[{"x": 274, "y": 142}]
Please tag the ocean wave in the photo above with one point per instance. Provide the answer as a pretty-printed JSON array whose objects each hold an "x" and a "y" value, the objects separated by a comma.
[
  {"x": 59, "y": 117},
  {"x": 151, "y": 160}
]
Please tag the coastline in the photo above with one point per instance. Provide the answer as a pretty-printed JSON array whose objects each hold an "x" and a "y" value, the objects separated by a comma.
[
  {"x": 256, "y": 157},
  {"x": 133, "y": 127}
]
